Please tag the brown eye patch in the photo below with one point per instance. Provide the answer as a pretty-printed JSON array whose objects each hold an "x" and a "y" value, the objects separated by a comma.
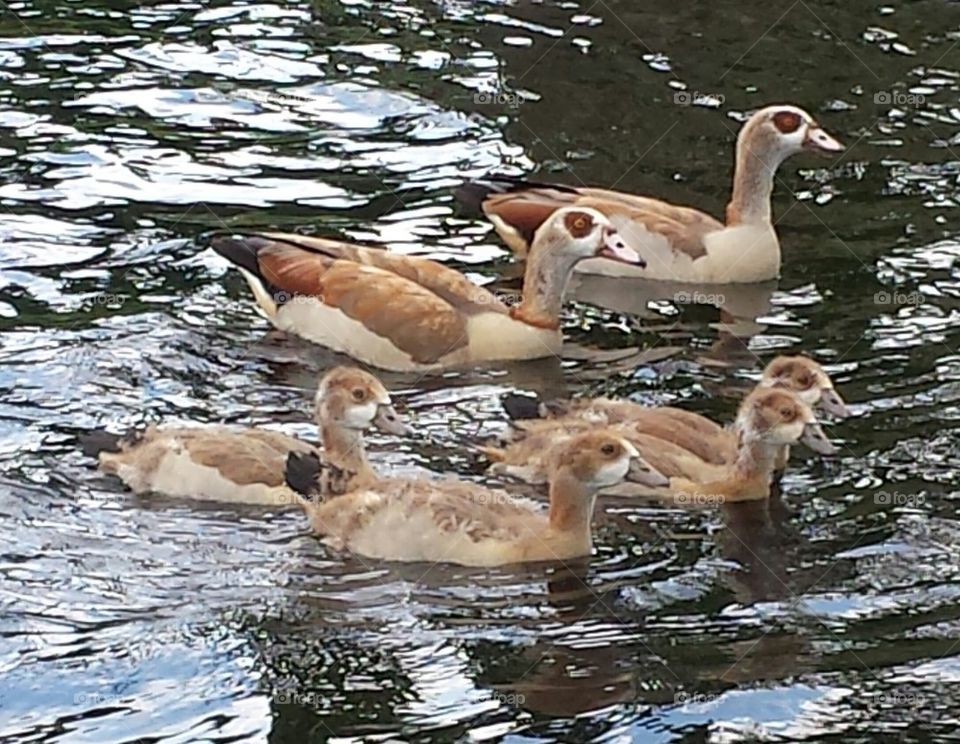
[
  {"x": 787, "y": 121},
  {"x": 609, "y": 450},
  {"x": 805, "y": 381},
  {"x": 578, "y": 224},
  {"x": 359, "y": 394}
]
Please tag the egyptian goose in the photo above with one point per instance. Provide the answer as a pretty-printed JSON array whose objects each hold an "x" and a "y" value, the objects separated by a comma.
[
  {"x": 679, "y": 243},
  {"x": 767, "y": 420},
  {"x": 459, "y": 522},
  {"x": 704, "y": 438},
  {"x": 405, "y": 313},
  {"x": 219, "y": 463}
]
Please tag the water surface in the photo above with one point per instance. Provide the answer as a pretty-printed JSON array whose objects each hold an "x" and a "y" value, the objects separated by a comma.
[{"x": 128, "y": 131}]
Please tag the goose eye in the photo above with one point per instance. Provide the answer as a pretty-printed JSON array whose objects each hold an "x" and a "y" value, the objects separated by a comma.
[
  {"x": 805, "y": 381},
  {"x": 609, "y": 450},
  {"x": 359, "y": 394},
  {"x": 787, "y": 121},
  {"x": 578, "y": 224}
]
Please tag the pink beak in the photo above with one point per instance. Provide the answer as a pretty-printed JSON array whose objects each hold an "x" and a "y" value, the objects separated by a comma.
[
  {"x": 819, "y": 141},
  {"x": 614, "y": 248}
]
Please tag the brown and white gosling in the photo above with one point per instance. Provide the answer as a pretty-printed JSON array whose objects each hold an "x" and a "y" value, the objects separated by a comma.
[
  {"x": 767, "y": 420},
  {"x": 452, "y": 521},
  {"x": 246, "y": 465}
]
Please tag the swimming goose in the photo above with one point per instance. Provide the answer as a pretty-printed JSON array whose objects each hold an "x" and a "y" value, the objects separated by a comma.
[
  {"x": 679, "y": 243},
  {"x": 767, "y": 420},
  {"x": 220, "y": 463},
  {"x": 702, "y": 437},
  {"x": 458, "y": 522},
  {"x": 406, "y": 313}
]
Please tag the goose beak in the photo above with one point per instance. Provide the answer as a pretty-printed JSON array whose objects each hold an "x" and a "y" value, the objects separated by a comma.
[
  {"x": 388, "y": 420},
  {"x": 832, "y": 403},
  {"x": 643, "y": 473},
  {"x": 614, "y": 248},
  {"x": 817, "y": 140},
  {"x": 815, "y": 438}
]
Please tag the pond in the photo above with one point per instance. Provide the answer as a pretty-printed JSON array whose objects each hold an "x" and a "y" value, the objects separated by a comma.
[{"x": 129, "y": 131}]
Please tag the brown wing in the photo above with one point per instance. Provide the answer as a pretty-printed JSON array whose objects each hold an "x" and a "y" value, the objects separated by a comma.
[
  {"x": 418, "y": 318},
  {"x": 523, "y": 210},
  {"x": 243, "y": 457}
]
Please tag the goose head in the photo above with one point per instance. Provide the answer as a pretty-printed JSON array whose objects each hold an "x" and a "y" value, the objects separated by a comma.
[
  {"x": 776, "y": 132},
  {"x": 354, "y": 399},
  {"x": 808, "y": 381},
  {"x": 578, "y": 233},
  {"x": 777, "y": 417}
]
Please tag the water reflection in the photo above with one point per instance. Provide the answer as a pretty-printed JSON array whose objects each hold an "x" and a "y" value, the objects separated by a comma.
[{"x": 126, "y": 134}]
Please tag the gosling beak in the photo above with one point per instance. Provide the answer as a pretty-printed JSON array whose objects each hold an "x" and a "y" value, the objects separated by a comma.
[
  {"x": 815, "y": 438},
  {"x": 832, "y": 403},
  {"x": 615, "y": 249},
  {"x": 819, "y": 141},
  {"x": 643, "y": 473},
  {"x": 388, "y": 420}
]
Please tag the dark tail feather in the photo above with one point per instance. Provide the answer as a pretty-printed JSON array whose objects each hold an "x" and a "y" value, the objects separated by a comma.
[
  {"x": 94, "y": 442},
  {"x": 302, "y": 473},
  {"x": 239, "y": 250},
  {"x": 242, "y": 251},
  {"x": 519, "y": 406}
]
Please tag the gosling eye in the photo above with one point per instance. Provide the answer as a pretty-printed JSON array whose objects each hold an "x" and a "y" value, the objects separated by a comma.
[
  {"x": 609, "y": 449},
  {"x": 805, "y": 381},
  {"x": 359, "y": 394},
  {"x": 788, "y": 414}
]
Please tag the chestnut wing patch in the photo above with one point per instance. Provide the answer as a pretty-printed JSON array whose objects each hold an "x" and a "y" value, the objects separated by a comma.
[
  {"x": 683, "y": 227},
  {"x": 413, "y": 318},
  {"x": 447, "y": 283}
]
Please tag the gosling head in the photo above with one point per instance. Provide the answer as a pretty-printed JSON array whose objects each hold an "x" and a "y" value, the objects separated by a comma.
[
  {"x": 776, "y": 132},
  {"x": 601, "y": 459},
  {"x": 579, "y": 233},
  {"x": 778, "y": 417},
  {"x": 353, "y": 399},
  {"x": 808, "y": 381}
]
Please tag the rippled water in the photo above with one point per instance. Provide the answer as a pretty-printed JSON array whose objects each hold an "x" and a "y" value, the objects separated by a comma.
[{"x": 128, "y": 131}]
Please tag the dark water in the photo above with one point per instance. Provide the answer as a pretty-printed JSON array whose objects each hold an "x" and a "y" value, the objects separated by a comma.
[{"x": 127, "y": 131}]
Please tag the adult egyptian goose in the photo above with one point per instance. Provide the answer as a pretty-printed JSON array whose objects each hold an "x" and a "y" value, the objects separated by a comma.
[
  {"x": 704, "y": 438},
  {"x": 405, "y": 313},
  {"x": 767, "y": 421},
  {"x": 246, "y": 465},
  {"x": 678, "y": 243},
  {"x": 458, "y": 522}
]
